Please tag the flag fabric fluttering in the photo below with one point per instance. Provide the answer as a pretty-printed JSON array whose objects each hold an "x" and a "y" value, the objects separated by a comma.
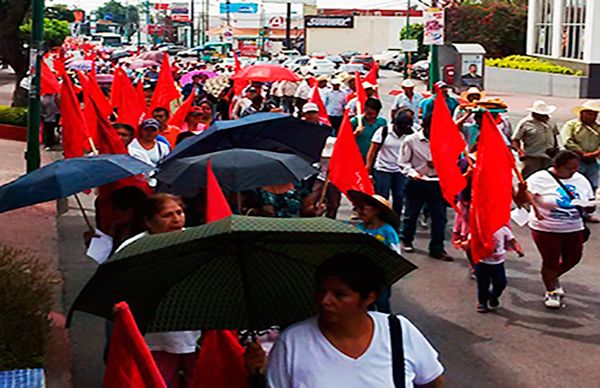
[
  {"x": 491, "y": 196},
  {"x": 316, "y": 98},
  {"x": 361, "y": 95},
  {"x": 216, "y": 203},
  {"x": 371, "y": 76},
  {"x": 165, "y": 91},
  {"x": 447, "y": 144},
  {"x": 129, "y": 107},
  {"x": 49, "y": 83},
  {"x": 130, "y": 363},
  {"x": 347, "y": 170},
  {"x": 182, "y": 111},
  {"x": 75, "y": 135}
]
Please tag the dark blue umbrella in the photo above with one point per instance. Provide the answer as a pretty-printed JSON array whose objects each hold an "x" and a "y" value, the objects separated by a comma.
[
  {"x": 261, "y": 131},
  {"x": 236, "y": 170},
  {"x": 66, "y": 177}
]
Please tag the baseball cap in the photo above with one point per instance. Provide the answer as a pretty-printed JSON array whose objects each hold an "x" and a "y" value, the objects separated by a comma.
[
  {"x": 150, "y": 123},
  {"x": 310, "y": 107}
]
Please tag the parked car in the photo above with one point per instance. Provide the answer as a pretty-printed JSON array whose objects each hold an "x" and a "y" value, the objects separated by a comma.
[
  {"x": 171, "y": 49},
  {"x": 420, "y": 70},
  {"x": 347, "y": 55},
  {"x": 366, "y": 60},
  {"x": 389, "y": 59},
  {"x": 336, "y": 59},
  {"x": 290, "y": 53},
  {"x": 296, "y": 63},
  {"x": 318, "y": 67},
  {"x": 351, "y": 68}
]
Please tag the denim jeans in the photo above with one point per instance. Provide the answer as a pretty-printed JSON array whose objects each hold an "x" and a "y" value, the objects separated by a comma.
[
  {"x": 394, "y": 182},
  {"x": 417, "y": 194},
  {"x": 590, "y": 171},
  {"x": 489, "y": 274}
]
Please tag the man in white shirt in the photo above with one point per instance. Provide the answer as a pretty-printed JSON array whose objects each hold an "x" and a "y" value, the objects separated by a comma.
[
  {"x": 302, "y": 94},
  {"x": 335, "y": 102},
  {"x": 288, "y": 90},
  {"x": 244, "y": 102},
  {"x": 145, "y": 147},
  {"x": 408, "y": 99}
]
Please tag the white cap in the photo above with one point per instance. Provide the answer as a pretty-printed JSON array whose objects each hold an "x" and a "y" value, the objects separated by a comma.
[
  {"x": 408, "y": 83},
  {"x": 310, "y": 107},
  {"x": 368, "y": 85}
]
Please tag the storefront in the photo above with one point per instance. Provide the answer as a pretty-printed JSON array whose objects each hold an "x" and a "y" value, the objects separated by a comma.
[{"x": 567, "y": 31}]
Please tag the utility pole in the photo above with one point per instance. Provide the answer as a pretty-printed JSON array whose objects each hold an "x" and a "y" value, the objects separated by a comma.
[
  {"x": 192, "y": 18},
  {"x": 434, "y": 71},
  {"x": 407, "y": 54},
  {"x": 32, "y": 154},
  {"x": 228, "y": 5},
  {"x": 288, "y": 26}
]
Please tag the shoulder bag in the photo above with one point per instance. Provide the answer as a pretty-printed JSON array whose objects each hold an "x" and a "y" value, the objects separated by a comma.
[
  {"x": 586, "y": 231},
  {"x": 397, "y": 351}
]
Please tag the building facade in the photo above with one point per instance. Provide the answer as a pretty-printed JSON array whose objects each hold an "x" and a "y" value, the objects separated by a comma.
[{"x": 567, "y": 31}]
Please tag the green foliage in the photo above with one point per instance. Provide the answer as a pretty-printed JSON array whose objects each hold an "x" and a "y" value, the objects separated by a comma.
[
  {"x": 120, "y": 13},
  {"x": 522, "y": 62},
  {"x": 500, "y": 27},
  {"x": 26, "y": 298},
  {"x": 416, "y": 32},
  {"x": 13, "y": 116},
  {"x": 55, "y": 31}
]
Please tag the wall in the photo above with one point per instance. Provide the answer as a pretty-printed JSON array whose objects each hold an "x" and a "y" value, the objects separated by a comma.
[
  {"x": 371, "y": 34},
  {"x": 533, "y": 82}
]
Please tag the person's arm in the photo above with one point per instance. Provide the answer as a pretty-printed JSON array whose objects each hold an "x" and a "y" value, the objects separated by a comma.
[
  {"x": 567, "y": 134},
  {"x": 516, "y": 139},
  {"x": 515, "y": 246},
  {"x": 373, "y": 150},
  {"x": 278, "y": 368},
  {"x": 437, "y": 383},
  {"x": 404, "y": 161},
  {"x": 463, "y": 118}
]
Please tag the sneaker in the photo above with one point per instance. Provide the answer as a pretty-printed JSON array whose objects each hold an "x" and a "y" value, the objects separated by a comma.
[
  {"x": 443, "y": 256},
  {"x": 559, "y": 291},
  {"x": 424, "y": 222},
  {"x": 407, "y": 247},
  {"x": 552, "y": 300},
  {"x": 494, "y": 303},
  {"x": 482, "y": 308}
]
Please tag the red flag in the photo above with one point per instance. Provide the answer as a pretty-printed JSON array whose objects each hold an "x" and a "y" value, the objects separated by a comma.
[
  {"x": 59, "y": 64},
  {"x": 130, "y": 363},
  {"x": 75, "y": 136},
  {"x": 361, "y": 95},
  {"x": 140, "y": 95},
  {"x": 216, "y": 203},
  {"x": 107, "y": 139},
  {"x": 238, "y": 84},
  {"x": 129, "y": 108},
  {"x": 371, "y": 76},
  {"x": 347, "y": 170},
  {"x": 491, "y": 196},
  {"x": 115, "y": 91},
  {"x": 446, "y": 146},
  {"x": 312, "y": 82},
  {"x": 98, "y": 95},
  {"x": 49, "y": 84},
  {"x": 221, "y": 361},
  {"x": 316, "y": 98},
  {"x": 238, "y": 65},
  {"x": 182, "y": 111},
  {"x": 165, "y": 91}
]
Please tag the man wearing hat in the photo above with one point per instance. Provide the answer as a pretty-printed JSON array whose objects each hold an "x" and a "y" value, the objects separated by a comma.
[
  {"x": 335, "y": 101},
  {"x": 408, "y": 99},
  {"x": 426, "y": 105},
  {"x": 303, "y": 93},
  {"x": 535, "y": 138},
  {"x": 370, "y": 91},
  {"x": 145, "y": 147},
  {"x": 310, "y": 113},
  {"x": 582, "y": 135}
]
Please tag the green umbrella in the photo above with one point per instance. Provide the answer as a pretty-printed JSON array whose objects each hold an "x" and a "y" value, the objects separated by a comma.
[{"x": 237, "y": 273}]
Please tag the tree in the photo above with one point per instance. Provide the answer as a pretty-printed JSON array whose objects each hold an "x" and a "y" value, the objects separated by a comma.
[
  {"x": 416, "y": 32},
  {"x": 12, "y": 13},
  {"x": 55, "y": 31},
  {"x": 119, "y": 13}
]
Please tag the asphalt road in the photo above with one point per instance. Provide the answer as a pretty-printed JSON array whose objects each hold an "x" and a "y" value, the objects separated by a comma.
[{"x": 520, "y": 345}]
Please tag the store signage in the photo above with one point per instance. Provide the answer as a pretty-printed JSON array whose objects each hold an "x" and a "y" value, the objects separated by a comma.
[
  {"x": 245, "y": 8},
  {"x": 329, "y": 21}
]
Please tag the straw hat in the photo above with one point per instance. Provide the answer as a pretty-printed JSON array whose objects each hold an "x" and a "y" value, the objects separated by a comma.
[
  {"x": 540, "y": 107},
  {"x": 471, "y": 91},
  {"x": 494, "y": 105},
  {"x": 345, "y": 76},
  {"x": 328, "y": 149},
  {"x": 322, "y": 78},
  {"x": 408, "y": 83},
  {"x": 593, "y": 105},
  {"x": 386, "y": 213},
  {"x": 335, "y": 81},
  {"x": 216, "y": 85}
]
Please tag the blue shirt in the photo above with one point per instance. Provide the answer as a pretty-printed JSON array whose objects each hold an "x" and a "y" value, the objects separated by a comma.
[
  {"x": 427, "y": 105},
  {"x": 402, "y": 101},
  {"x": 386, "y": 234},
  {"x": 335, "y": 102}
]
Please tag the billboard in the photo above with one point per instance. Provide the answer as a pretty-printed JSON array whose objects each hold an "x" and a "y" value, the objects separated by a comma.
[
  {"x": 434, "y": 26},
  {"x": 180, "y": 12},
  {"x": 244, "y": 8},
  {"x": 329, "y": 21}
]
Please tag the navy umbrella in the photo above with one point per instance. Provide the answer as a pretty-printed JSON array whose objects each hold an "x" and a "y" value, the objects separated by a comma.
[
  {"x": 261, "y": 131},
  {"x": 66, "y": 177},
  {"x": 236, "y": 170}
]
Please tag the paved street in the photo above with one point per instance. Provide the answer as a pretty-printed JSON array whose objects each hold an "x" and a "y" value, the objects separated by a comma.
[{"x": 520, "y": 345}]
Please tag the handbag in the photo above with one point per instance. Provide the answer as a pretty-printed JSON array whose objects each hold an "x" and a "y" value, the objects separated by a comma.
[
  {"x": 586, "y": 231},
  {"x": 397, "y": 351}
]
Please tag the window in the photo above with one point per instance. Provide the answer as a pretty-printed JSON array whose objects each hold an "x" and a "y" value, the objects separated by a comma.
[
  {"x": 573, "y": 29},
  {"x": 543, "y": 27}
]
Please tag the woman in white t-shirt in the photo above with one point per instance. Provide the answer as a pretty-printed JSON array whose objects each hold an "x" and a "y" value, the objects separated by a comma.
[
  {"x": 558, "y": 229},
  {"x": 347, "y": 345},
  {"x": 382, "y": 159}
]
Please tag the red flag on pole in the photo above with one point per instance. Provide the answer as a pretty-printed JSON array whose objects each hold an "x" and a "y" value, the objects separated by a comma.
[
  {"x": 446, "y": 146},
  {"x": 75, "y": 136},
  {"x": 98, "y": 95},
  {"x": 49, "y": 84},
  {"x": 129, "y": 107},
  {"x": 361, "y": 95},
  {"x": 221, "y": 361},
  {"x": 216, "y": 203},
  {"x": 238, "y": 84},
  {"x": 130, "y": 363},
  {"x": 182, "y": 111},
  {"x": 165, "y": 91},
  {"x": 316, "y": 98},
  {"x": 141, "y": 96},
  {"x": 115, "y": 91},
  {"x": 238, "y": 65},
  {"x": 107, "y": 140},
  {"x": 347, "y": 170},
  {"x": 491, "y": 196},
  {"x": 371, "y": 76}
]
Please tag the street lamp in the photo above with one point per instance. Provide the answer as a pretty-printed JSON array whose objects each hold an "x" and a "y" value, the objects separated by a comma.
[{"x": 32, "y": 154}]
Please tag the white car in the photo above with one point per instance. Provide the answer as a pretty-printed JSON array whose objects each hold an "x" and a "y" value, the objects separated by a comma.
[
  {"x": 295, "y": 63},
  {"x": 318, "y": 67},
  {"x": 192, "y": 52},
  {"x": 389, "y": 59}
]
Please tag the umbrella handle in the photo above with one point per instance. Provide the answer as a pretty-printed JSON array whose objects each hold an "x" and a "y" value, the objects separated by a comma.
[{"x": 85, "y": 217}]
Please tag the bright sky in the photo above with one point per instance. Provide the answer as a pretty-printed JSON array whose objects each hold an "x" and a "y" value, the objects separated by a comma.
[{"x": 90, "y": 5}]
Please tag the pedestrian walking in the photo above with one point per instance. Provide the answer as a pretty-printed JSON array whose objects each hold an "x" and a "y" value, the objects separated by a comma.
[
  {"x": 559, "y": 231},
  {"x": 422, "y": 189},
  {"x": 350, "y": 346},
  {"x": 335, "y": 102},
  {"x": 288, "y": 90},
  {"x": 582, "y": 136},
  {"x": 490, "y": 272},
  {"x": 365, "y": 128},
  {"x": 535, "y": 138},
  {"x": 426, "y": 106},
  {"x": 407, "y": 99},
  {"x": 145, "y": 147},
  {"x": 50, "y": 118}
]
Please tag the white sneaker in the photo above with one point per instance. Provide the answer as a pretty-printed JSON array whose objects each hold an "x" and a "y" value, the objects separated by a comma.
[
  {"x": 552, "y": 300},
  {"x": 559, "y": 291}
]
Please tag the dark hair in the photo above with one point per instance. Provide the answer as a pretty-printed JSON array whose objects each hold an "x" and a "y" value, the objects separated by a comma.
[
  {"x": 154, "y": 203},
  {"x": 124, "y": 126},
  {"x": 358, "y": 271},
  {"x": 129, "y": 197},
  {"x": 161, "y": 109},
  {"x": 563, "y": 157},
  {"x": 182, "y": 136},
  {"x": 403, "y": 123},
  {"x": 373, "y": 103}
]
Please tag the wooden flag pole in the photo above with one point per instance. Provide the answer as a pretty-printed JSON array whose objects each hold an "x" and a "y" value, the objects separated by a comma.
[
  {"x": 85, "y": 217},
  {"x": 323, "y": 191},
  {"x": 93, "y": 146}
]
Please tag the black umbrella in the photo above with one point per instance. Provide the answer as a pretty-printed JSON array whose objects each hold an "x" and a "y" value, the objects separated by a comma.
[
  {"x": 261, "y": 131},
  {"x": 236, "y": 170}
]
